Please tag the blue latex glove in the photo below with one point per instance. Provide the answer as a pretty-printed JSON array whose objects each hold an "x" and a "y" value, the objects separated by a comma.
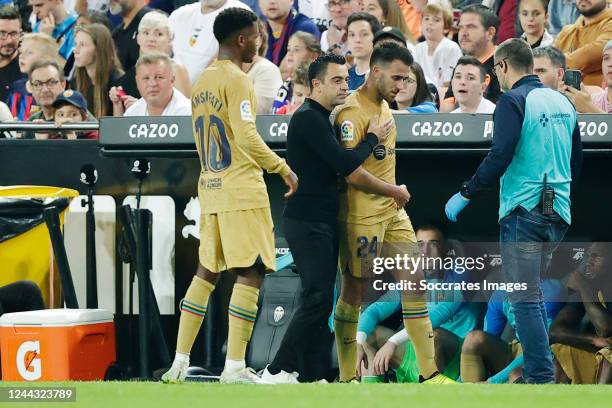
[{"x": 455, "y": 205}]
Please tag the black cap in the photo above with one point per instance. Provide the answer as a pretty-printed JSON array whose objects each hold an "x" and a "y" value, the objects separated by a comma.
[
  {"x": 390, "y": 32},
  {"x": 71, "y": 97}
]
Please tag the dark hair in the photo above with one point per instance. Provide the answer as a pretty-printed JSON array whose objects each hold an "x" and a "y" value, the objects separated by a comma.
[
  {"x": 544, "y": 4},
  {"x": 555, "y": 55},
  {"x": 422, "y": 93},
  {"x": 318, "y": 68},
  {"x": 231, "y": 21},
  {"x": 10, "y": 13},
  {"x": 434, "y": 225},
  {"x": 517, "y": 53},
  {"x": 374, "y": 24},
  {"x": 469, "y": 60},
  {"x": 388, "y": 52},
  {"x": 487, "y": 17},
  {"x": 44, "y": 64}
]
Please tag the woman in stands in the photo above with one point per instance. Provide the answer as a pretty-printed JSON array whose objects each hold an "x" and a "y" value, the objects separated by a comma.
[
  {"x": 415, "y": 97},
  {"x": 97, "y": 67}
]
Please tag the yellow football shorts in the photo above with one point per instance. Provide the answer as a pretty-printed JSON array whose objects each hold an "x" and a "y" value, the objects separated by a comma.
[
  {"x": 359, "y": 244},
  {"x": 237, "y": 239}
]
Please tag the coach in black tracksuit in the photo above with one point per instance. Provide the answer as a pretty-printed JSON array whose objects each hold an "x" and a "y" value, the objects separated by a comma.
[{"x": 315, "y": 154}]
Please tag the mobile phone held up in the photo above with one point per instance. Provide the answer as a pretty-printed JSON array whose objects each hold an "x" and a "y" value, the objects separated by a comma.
[{"x": 572, "y": 78}]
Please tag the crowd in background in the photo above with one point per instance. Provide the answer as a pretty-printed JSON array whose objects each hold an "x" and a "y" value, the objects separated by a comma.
[{"x": 139, "y": 58}]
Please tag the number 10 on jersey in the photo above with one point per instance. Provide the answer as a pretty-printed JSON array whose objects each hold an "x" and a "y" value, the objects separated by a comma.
[{"x": 215, "y": 151}]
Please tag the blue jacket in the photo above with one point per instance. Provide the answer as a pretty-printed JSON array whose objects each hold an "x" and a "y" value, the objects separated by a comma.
[
  {"x": 535, "y": 133},
  {"x": 277, "y": 48}
]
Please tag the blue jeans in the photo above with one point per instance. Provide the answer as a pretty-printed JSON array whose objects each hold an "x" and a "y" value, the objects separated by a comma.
[{"x": 528, "y": 240}]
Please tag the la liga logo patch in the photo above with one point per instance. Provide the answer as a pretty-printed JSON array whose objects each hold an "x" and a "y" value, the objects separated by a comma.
[{"x": 347, "y": 131}]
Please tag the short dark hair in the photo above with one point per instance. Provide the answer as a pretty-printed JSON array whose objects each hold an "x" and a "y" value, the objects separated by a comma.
[
  {"x": 555, "y": 55},
  {"x": 434, "y": 225},
  {"x": 487, "y": 16},
  {"x": 44, "y": 64},
  {"x": 10, "y": 13},
  {"x": 422, "y": 93},
  {"x": 231, "y": 21},
  {"x": 374, "y": 24},
  {"x": 318, "y": 68},
  {"x": 388, "y": 52},
  {"x": 469, "y": 60},
  {"x": 517, "y": 53}
]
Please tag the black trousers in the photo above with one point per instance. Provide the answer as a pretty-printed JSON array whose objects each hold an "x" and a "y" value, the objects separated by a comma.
[{"x": 306, "y": 347}]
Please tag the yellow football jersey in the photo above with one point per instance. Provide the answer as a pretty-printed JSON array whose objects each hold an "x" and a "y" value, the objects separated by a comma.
[
  {"x": 352, "y": 121},
  {"x": 232, "y": 153}
]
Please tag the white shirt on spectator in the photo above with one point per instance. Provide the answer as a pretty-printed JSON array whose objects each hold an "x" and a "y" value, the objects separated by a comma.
[
  {"x": 316, "y": 10},
  {"x": 267, "y": 80},
  {"x": 325, "y": 44},
  {"x": 439, "y": 66},
  {"x": 485, "y": 106},
  {"x": 179, "y": 105},
  {"x": 194, "y": 43}
]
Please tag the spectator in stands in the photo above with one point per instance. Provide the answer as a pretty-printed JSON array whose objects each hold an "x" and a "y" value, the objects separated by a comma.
[
  {"x": 124, "y": 35},
  {"x": 388, "y": 13},
  {"x": 596, "y": 102},
  {"x": 477, "y": 34},
  {"x": 469, "y": 84},
  {"x": 485, "y": 356},
  {"x": 46, "y": 81},
  {"x": 533, "y": 16},
  {"x": 361, "y": 28},
  {"x": 334, "y": 38},
  {"x": 194, "y": 43},
  {"x": 506, "y": 10},
  {"x": 437, "y": 54},
  {"x": 265, "y": 75},
  {"x": 389, "y": 34},
  {"x": 34, "y": 47},
  {"x": 318, "y": 11},
  {"x": 560, "y": 14},
  {"x": 303, "y": 47},
  {"x": 300, "y": 90},
  {"x": 71, "y": 107},
  {"x": 155, "y": 79},
  {"x": 583, "y": 352},
  {"x": 415, "y": 96},
  {"x": 583, "y": 41},
  {"x": 549, "y": 66},
  {"x": 10, "y": 34},
  {"x": 154, "y": 34},
  {"x": 55, "y": 20},
  {"x": 98, "y": 67},
  {"x": 282, "y": 22}
]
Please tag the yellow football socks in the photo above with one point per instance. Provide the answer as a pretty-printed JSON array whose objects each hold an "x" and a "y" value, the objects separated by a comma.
[
  {"x": 418, "y": 326},
  {"x": 472, "y": 368},
  {"x": 193, "y": 311},
  {"x": 242, "y": 314},
  {"x": 346, "y": 319}
]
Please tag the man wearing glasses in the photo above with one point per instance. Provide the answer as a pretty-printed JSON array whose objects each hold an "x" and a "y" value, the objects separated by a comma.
[
  {"x": 536, "y": 153},
  {"x": 10, "y": 33},
  {"x": 334, "y": 39}
]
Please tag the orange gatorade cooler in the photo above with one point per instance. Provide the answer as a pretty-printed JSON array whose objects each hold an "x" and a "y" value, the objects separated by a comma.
[{"x": 57, "y": 344}]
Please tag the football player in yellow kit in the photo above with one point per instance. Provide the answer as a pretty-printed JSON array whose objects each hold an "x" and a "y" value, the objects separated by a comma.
[
  {"x": 236, "y": 227},
  {"x": 367, "y": 219}
]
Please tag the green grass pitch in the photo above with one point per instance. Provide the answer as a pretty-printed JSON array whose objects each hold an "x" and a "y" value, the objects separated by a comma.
[{"x": 209, "y": 395}]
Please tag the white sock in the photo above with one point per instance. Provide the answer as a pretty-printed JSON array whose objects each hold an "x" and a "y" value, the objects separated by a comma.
[
  {"x": 234, "y": 365},
  {"x": 181, "y": 358}
]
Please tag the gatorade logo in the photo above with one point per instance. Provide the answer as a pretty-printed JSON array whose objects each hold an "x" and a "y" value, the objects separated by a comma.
[{"x": 28, "y": 361}]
